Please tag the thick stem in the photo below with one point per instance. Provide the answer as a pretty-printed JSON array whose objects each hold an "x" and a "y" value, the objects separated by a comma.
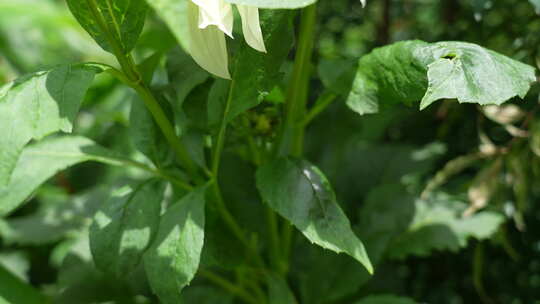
[
  {"x": 291, "y": 136},
  {"x": 273, "y": 231}
]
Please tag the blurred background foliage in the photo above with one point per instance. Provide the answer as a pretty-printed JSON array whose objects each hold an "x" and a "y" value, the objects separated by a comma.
[{"x": 412, "y": 182}]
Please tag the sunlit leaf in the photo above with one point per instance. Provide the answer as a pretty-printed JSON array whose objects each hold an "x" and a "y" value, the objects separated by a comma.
[
  {"x": 37, "y": 105},
  {"x": 41, "y": 161},
  {"x": 124, "y": 227},
  {"x": 173, "y": 259},
  {"x": 413, "y": 71}
]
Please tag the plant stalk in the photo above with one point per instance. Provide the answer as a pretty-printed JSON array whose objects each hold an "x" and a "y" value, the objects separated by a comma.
[
  {"x": 291, "y": 136},
  {"x": 230, "y": 221},
  {"x": 135, "y": 81},
  {"x": 226, "y": 285}
]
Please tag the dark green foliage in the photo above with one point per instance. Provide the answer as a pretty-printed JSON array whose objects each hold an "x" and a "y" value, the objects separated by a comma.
[
  {"x": 315, "y": 211},
  {"x": 178, "y": 187},
  {"x": 110, "y": 22}
]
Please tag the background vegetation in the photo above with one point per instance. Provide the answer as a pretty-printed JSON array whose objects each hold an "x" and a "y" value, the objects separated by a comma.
[{"x": 404, "y": 177}]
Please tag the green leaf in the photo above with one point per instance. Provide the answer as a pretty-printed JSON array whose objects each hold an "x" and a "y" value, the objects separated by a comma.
[
  {"x": 35, "y": 33},
  {"x": 337, "y": 74},
  {"x": 279, "y": 291},
  {"x": 205, "y": 295},
  {"x": 174, "y": 14},
  {"x": 16, "y": 262},
  {"x": 146, "y": 135},
  {"x": 274, "y": 3},
  {"x": 256, "y": 74},
  {"x": 412, "y": 71},
  {"x": 386, "y": 299},
  {"x": 58, "y": 217},
  {"x": 184, "y": 74},
  {"x": 124, "y": 227},
  {"x": 41, "y": 161},
  {"x": 387, "y": 211},
  {"x": 325, "y": 277},
  {"x": 111, "y": 21},
  {"x": 13, "y": 290},
  {"x": 472, "y": 74},
  {"x": 80, "y": 282},
  {"x": 387, "y": 76},
  {"x": 299, "y": 192},
  {"x": 173, "y": 259},
  {"x": 37, "y": 105},
  {"x": 536, "y": 4},
  {"x": 438, "y": 224}
]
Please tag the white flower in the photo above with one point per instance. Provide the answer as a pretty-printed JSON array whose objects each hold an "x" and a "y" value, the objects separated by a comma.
[{"x": 209, "y": 21}]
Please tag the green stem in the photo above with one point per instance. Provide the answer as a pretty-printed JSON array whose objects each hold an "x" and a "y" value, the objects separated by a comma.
[
  {"x": 226, "y": 285},
  {"x": 166, "y": 127},
  {"x": 478, "y": 270},
  {"x": 156, "y": 172},
  {"x": 253, "y": 148},
  {"x": 135, "y": 81},
  {"x": 233, "y": 225},
  {"x": 291, "y": 136},
  {"x": 273, "y": 231},
  {"x": 220, "y": 141},
  {"x": 322, "y": 103},
  {"x": 290, "y": 139},
  {"x": 220, "y": 203}
]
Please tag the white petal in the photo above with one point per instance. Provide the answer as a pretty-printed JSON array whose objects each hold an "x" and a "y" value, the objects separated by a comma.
[
  {"x": 215, "y": 12},
  {"x": 363, "y": 3},
  {"x": 207, "y": 46},
  {"x": 251, "y": 27}
]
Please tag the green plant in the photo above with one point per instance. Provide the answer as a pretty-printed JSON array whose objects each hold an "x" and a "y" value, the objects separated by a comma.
[{"x": 219, "y": 189}]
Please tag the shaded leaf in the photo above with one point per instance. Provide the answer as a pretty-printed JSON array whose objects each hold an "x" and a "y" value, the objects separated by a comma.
[
  {"x": 174, "y": 14},
  {"x": 184, "y": 74},
  {"x": 387, "y": 211},
  {"x": 146, "y": 135},
  {"x": 14, "y": 290},
  {"x": 325, "y": 277},
  {"x": 80, "y": 282},
  {"x": 386, "y": 299},
  {"x": 256, "y": 74},
  {"x": 279, "y": 291},
  {"x": 299, "y": 192},
  {"x": 54, "y": 220},
  {"x": 438, "y": 224},
  {"x": 205, "y": 295}
]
